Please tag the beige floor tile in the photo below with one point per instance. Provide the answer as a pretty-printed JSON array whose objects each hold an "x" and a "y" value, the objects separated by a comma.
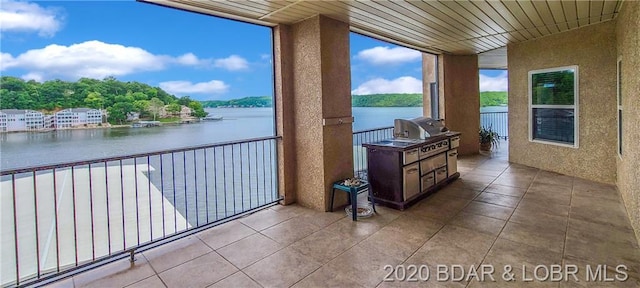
[
  {"x": 120, "y": 273},
  {"x": 549, "y": 196},
  {"x": 365, "y": 268},
  {"x": 490, "y": 210},
  {"x": 175, "y": 253},
  {"x": 599, "y": 211},
  {"x": 324, "y": 219},
  {"x": 540, "y": 220},
  {"x": 498, "y": 199},
  {"x": 290, "y": 231},
  {"x": 264, "y": 219},
  {"x": 469, "y": 184},
  {"x": 484, "y": 224},
  {"x": 151, "y": 282},
  {"x": 476, "y": 177},
  {"x": 507, "y": 252},
  {"x": 537, "y": 236},
  {"x": 593, "y": 278},
  {"x": 409, "y": 224},
  {"x": 357, "y": 230},
  {"x": 519, "y": 278},
  {"x": 449, "y": 191},
  {"x": 389, "y": 242},
  {"x": 440, "y": 208},
  {"x": 458, "y": 245},
  {"x": 549, "y": 187},
  {"x": 282, "y": 269},
  {"x": 547, "y": 207},
  {"x": 514, "y": 180},
  {"x": 487, "y": 171},
  {"x": 323, "y": 245},
  {"x": 329, "y": 277},
  {"x": 597, "y": 233},
  {"x": 225, "y": 234},
  {"x": 238, "y": 279},
  {"x": 428, "y": 262},
  {"x": 293, "y": 210},
  {"x": 505, "y": 190},
  {"x": 554, "y": 178},
  {"x": 586, "y": 188},
  {"x": 249, "y": 250},
  {"x": 199, "y": 272}
]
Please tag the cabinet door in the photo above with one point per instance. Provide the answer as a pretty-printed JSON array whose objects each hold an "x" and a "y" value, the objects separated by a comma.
[
  {"x": 411, "y": 181},
  {"x": 452, "y": 162}
]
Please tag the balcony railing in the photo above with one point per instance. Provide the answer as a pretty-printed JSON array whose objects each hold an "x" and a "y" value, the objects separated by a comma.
[
  {"x": 360, "y": 153},
  {"x": 70, "y": 217},
  {"x": 498, "y": 121}
]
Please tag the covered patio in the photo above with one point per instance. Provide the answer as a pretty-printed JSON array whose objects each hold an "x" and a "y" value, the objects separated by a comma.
[
  {"x": 497, "y": 214},
  {"x": 529, "y": 205}
]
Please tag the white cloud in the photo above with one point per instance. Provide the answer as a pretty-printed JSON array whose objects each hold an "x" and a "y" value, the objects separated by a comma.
[
  {"x": 93, "y": 59},
  {"x": 232, "y": 63},
  {"x": 188, "y": 59},
  {"x": 496, "y": 83},
  {"x": 29, "y": 17},
  {"x": 186, "y": 87},
  {"x": 33, "y": 76},
  {"x": 384, "y": 55},
  {"x": 405, "y": 84}
]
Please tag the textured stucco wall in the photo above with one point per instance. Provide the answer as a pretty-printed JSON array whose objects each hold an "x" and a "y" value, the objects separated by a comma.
[
  {"x": 593, "y": 49},
  {"x": 321, "y": 89},
  {"x": 283, "y": 64},
  {"x": 628, "y": 47},
  {"x": 428, "y": 76},
  {"x": 461, "y": 92}
]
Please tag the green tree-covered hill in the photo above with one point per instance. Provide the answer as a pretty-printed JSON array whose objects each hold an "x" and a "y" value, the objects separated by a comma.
[
  {"x": 262, "y": 101},
  {"x": 493, "y": 98},
  {"x": 117, "y": 97}
]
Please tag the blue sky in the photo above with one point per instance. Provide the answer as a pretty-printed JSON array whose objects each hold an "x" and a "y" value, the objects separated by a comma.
[{"x": 184, "y": 53}]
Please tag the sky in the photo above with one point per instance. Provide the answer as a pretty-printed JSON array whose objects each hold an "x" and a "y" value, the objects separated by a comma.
[{"x": 186, "y": 54}]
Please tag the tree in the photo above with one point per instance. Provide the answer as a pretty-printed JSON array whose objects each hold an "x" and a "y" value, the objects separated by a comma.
[
  {"x": 174, "y": 108},
  {"x": 197, "y": 109},
  {"x": 119, "y": 111},
  {"x": 94, "y": 100},
  {"x": 155, "y": 106}
]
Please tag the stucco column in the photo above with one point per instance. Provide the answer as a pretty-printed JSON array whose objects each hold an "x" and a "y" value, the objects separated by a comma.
[
  {"x": 313, "y": 88},
  {"x": 428, "y": 77},
  {"x": 460, "y": 92}
]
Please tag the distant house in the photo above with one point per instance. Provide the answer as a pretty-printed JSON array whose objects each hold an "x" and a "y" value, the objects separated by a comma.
[
  {"x": 74, "y": 117},
  {"x": 20, "y": 120},
  {"x": 185, "y": 112}
]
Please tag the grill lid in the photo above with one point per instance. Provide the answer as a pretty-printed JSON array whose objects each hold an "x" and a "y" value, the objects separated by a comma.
[{"x": 418, "y": 128}]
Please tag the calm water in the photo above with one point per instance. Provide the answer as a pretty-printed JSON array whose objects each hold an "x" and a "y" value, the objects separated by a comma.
[{"x": 40, "y": 148}]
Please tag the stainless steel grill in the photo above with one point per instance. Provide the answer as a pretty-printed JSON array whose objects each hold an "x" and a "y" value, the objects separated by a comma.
[{"x": 418, "y": 128}]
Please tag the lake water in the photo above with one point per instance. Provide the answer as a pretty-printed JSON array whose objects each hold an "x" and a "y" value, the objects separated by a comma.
[{"x": 19, "y": 150}]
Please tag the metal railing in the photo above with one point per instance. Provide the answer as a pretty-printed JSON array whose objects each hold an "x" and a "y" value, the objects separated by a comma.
[
  {"x": 360, "y": 153},
  {"x": 62, "y": 218},
  {"x": 498, "y": 121}
]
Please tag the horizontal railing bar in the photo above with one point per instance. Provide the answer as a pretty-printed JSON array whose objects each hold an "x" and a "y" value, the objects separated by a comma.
[
  {"x": 124, "y": 157},
  {"x": 372, "y": 130}
]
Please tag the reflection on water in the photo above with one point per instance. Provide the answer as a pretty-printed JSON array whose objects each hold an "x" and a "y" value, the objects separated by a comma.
[{"x": 41, "y": 148}]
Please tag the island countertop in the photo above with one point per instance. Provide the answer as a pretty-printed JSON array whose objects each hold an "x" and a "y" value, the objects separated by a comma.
[{"x": 407, "y": 144}]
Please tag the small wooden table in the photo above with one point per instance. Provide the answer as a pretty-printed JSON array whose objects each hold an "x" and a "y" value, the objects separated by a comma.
[{"x": 353, "y": 196}]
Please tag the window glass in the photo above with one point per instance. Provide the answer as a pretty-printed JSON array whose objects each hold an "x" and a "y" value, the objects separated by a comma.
[
  {"x": 553, "y": 88},
  {"x": 553, "y": 124}
]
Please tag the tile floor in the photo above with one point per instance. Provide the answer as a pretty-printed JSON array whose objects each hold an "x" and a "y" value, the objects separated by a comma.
[{"x": 495, "y": 214}]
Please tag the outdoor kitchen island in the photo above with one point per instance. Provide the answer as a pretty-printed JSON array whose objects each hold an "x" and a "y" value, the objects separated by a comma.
[{"x": 404, "y": 170}]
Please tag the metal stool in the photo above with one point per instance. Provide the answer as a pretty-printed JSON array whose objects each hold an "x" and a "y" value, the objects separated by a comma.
[{"x": 353, "y": 196}]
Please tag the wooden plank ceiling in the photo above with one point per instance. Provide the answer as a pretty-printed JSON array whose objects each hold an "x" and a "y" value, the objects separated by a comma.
[{"x": 456, "y": 27}]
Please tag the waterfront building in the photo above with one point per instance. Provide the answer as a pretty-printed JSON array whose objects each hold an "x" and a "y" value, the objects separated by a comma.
[
  {"x": 74, "y": 117},
  {"x": 20, "y": 120}
]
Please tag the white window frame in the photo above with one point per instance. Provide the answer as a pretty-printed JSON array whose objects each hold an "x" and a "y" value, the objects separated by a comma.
[
  {"x": 575, "y": 106},
  {"x": 618, "y": 100}
]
